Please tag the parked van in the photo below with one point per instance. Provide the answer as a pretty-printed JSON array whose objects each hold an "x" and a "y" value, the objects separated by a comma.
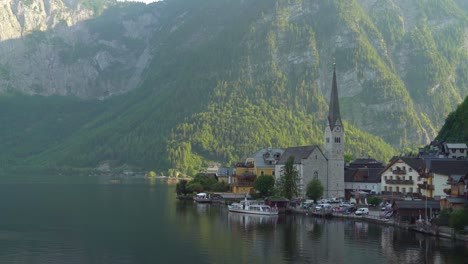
[{"x": 362, "y": 211}]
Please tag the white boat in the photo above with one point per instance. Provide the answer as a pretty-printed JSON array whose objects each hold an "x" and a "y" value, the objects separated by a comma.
[
  {"x": 202, "y": 198},
  {"x": 252, "y": 207}
]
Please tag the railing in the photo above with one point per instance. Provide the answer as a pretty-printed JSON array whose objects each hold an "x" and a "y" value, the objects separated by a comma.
[
  {"x": 246, "y": 177},
  {"x": 410, "y": 182},
  {"x": 243, "y": 183},
  {"x": 399, "y": 172},
  {"x": 426, "y": 186}
]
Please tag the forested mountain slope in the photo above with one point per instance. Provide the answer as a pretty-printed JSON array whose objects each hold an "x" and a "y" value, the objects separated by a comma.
[
  {"x": 217, "y": 80},
  {"x": 455, "y": 128}
]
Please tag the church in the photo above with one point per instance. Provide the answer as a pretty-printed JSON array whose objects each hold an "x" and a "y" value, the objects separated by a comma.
[{"x": 313, "y": 163}]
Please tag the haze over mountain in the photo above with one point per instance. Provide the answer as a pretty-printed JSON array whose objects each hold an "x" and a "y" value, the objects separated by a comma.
[{"x": 175, "y": 84}]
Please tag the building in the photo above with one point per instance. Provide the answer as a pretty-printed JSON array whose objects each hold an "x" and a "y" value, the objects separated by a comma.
[
  {"x": 334, "y": 145},
  {"x": 403, "y": 176},
  {"x": 443, "y": 171},
  {"x": 310, "y": 163},
  {"x": 263, "y": 162},
  {"x": 363, "y": 175},
  {"x": 327, "y": 166},
  {"x": 438, "y": 149}
]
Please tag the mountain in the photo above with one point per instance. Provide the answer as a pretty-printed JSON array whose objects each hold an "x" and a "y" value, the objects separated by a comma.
[
  {"x": 455, "y": 128},
  {"x": 176, "y": 83}
]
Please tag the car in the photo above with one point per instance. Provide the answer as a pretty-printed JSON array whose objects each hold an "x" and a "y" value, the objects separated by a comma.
[
  {"x": 386, "y": 214},
  {"x": 362, "y": 211}
]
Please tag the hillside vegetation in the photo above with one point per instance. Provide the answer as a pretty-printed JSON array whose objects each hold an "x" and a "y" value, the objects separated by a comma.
[
  {"x": 455, "y": 129},
  {"x": 219, "y": 80}
]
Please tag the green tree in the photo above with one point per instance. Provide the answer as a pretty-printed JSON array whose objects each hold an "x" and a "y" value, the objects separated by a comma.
[
  {"x": 264, "y": 184},
  {"x": 314, "y": 189},
  {"x": 459, "y": 219},
  {"x": 195, "y": 187},
  {"x": 374, "y": 200},
  {"x": 181, "y": 187},
  {"x": 348, "y": 158},
  {"x": 288, "y": 183}
]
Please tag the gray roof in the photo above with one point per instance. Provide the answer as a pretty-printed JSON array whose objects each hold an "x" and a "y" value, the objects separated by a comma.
[
  {"x": 371, "y": 175},
  {"x": 268, "y": 157},
  {"x": 299, "y": 153},
  {"x": 334, "y": 107},
  {"x": 366, "y": 163},
  {"x": 449, "y": 167},
  {"x": 418, "y": 204},
  {"x": 225, "y": 171},
  {"x": 414, "y": 162},
  {"x": 456, "y": 145}
]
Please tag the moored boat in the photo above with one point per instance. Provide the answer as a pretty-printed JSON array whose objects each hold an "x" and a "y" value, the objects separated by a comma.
[
  {"x": 202, "y": 198},
  {"x": 252, "y": 207}
]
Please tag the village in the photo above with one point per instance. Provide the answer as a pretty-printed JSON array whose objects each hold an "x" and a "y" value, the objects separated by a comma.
[{"x": 415, "y": 188}]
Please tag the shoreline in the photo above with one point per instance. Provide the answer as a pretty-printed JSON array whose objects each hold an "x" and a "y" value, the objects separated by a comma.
[{"x": 433, "y": 230}]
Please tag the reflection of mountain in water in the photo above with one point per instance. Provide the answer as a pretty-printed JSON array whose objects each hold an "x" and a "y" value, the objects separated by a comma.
[{"x": 250, "y": 220}]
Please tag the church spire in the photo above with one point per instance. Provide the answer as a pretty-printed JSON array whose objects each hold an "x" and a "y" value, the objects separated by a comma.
[{"x": 334, "y": 110}]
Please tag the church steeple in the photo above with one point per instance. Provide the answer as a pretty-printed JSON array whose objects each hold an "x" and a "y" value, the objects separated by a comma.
[{"x": 334, "y": 111}]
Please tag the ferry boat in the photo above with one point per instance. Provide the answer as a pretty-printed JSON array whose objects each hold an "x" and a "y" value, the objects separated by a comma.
[{"x": 252, "y": 207}]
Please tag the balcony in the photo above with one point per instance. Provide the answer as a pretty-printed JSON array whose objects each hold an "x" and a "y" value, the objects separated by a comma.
[
  {"x": 242, "y": 184},
  {"x": 403, "y": 182},
  {"x": 426, "y": 186},
  {"x": 399, "y": 172},
  {"x": 245, "y": 177}
]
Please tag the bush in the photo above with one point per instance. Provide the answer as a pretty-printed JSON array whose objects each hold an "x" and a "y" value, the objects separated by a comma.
[
  {"x": 374, "y": 200},
  {"x": 459, "y": 219}
]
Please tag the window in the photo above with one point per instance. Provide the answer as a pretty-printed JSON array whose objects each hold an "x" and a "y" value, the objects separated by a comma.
[
  {"x": 385, "y": 188},
  {"x": 411, "y": 189},
  {"x": 403, "y": 190},
  {"x": 337, "y": 140},
  {"x": 385, "y": 177},
  {"x": 462, "y": 151},
  {"x": 390, "y": 189},
  {"x": 316, "y": 175},
  {"x": 411, "y": 178},
  {"x": 262, "y": 173},
  {"x": 328, "y": 140},
  {"x": 410, "y": 169}
]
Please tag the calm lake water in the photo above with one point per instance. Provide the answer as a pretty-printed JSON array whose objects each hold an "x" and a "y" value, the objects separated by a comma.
[{"x": 101, "y": 221}]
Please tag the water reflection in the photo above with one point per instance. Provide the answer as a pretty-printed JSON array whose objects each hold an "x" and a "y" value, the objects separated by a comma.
[{"x": 249, "y": 221}]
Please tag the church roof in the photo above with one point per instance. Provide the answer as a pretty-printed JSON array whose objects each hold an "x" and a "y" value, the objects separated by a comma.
[
  {"x": 299, "y": 153},
  {"x": 334, "y": 107}
]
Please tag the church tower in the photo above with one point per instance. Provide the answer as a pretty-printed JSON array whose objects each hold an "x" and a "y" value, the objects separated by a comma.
[{"x": 334, "y": 146}]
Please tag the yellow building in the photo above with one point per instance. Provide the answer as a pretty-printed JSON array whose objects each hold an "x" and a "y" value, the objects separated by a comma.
[{"x": 261, "y": 163}]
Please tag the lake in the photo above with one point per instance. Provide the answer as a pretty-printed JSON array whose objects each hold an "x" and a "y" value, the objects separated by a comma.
[{"x": 98, "y": 220}]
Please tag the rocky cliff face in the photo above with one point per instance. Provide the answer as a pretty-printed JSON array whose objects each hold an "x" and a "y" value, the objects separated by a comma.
[
  {"x": 50, "y": 48},
  {"x": 22, "y": 17}
]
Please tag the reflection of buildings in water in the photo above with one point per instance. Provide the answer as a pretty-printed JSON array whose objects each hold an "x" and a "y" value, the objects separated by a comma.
[
  {"x": 402, "y": 246},
  {"x": 323, "y": 239},
  {"x": 360, "y": 230}
]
